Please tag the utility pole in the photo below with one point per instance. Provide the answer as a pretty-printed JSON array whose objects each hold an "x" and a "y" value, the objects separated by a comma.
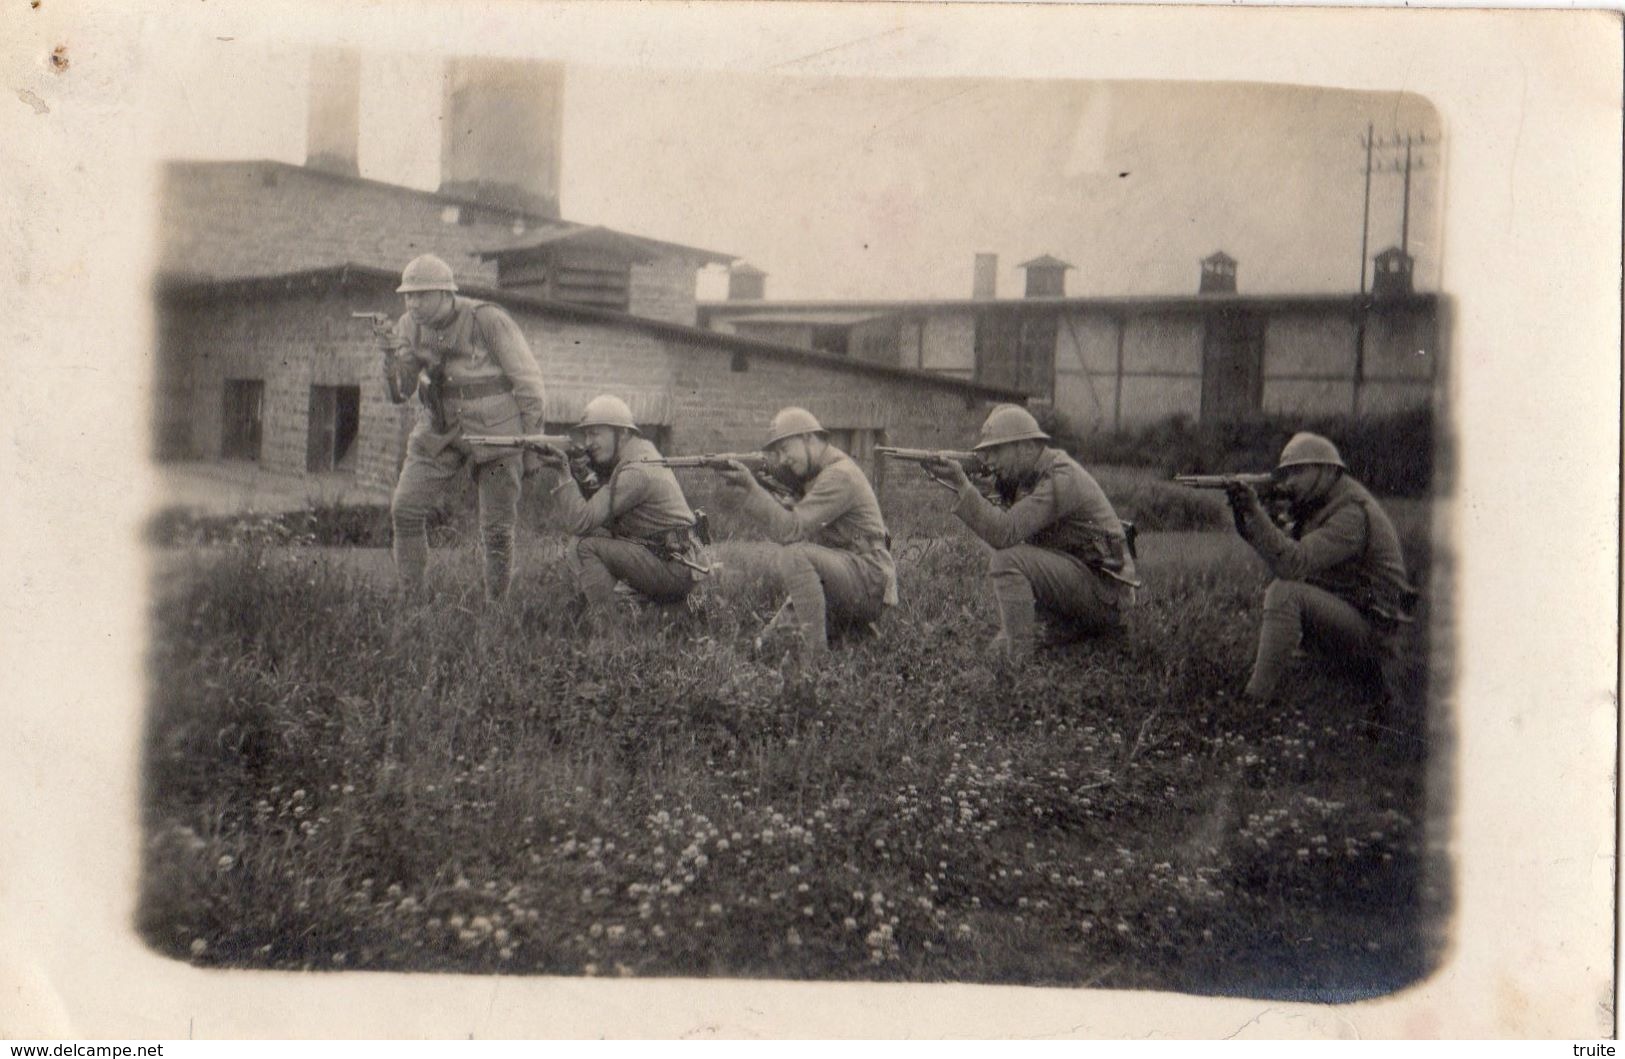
[
  {"x": 1405, "y": 215},
  {"x": 1365, "y": 220},
  {"x": 1385, "y": 165},
  {"x": 1373, "y": 165}
]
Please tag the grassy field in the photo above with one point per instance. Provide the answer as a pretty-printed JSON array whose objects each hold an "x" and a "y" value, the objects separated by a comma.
[{"x": 335, "y": 780}]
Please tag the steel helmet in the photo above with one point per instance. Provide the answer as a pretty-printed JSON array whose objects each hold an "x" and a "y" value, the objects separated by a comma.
[
  {"x": 1307, "y": 448},
  {"x": 1009, "y": 422},
  {"x": 607, "y": 410},
  {"x": 791, "y": 422},
  {"x": 426, "y": 272}
]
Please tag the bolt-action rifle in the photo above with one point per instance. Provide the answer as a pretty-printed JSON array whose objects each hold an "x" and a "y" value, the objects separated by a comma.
[
  {"x": 974, "y": 467},
  {"x": 759, "y": 464},
  {"x": 1276, "y": 503},
  {"x": 580, "y": 466},
  {"x": 997, "y": 491},
  {"x": 1263, "y": 482},
  {"x": 527, "y": 442}
]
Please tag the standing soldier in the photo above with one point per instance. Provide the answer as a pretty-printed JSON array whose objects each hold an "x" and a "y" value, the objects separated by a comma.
[
  {"x": 637, "y": 527},
  {"x": 1339, "y": 573},
  {"x": 1058, "y": 546},
  {"x": 835, "y": 565},
  {"x": 470, "y": 365}
]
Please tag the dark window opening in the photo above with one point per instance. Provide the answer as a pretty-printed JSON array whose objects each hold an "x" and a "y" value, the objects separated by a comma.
[
  {"x": 242, "y": 409},
  {"x": 1017, "y": 351},
  {"x": 739, "y": 362},
  {"x": 831, "y": 338},
  {"x": 1232, "y": 366},
  {"x": 335, "y": 421}
]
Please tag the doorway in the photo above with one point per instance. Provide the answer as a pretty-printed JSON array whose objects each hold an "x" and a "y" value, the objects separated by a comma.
[{"x": 242, "y": 408}]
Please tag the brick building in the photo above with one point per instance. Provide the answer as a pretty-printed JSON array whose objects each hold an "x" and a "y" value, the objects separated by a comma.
[
  {"x": 262, "y": 263},
  {"x": 273, "y": 369},
  {"x": 1113, "y": 363}
]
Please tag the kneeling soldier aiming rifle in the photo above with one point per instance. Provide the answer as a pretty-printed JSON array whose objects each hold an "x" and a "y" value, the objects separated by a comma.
[
  {"x": 637, "y": 527},
  {"x": 1058, "y": 546},
  {"x": 1340, "y": 579},
  {"x": 759, "y": 464},
  {"x": 835, "y": 565}
]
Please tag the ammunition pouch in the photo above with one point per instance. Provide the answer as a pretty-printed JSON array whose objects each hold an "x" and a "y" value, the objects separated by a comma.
[
  {"x": 680, "y": 544},
  {"x": 1386, "y": 611}
]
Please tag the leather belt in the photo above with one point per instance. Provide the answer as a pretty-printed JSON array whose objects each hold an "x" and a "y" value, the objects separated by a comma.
[{"x": 469, "y": 391}]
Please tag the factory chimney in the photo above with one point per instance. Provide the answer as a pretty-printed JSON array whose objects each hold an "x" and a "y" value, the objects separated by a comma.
[
  {"x": 985, "y": 282},
  {"x": 333, "y": 123},
  {"x": 502, "y": 128}
]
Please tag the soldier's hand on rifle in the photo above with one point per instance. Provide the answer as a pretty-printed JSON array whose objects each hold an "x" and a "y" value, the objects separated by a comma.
[
  {"x": 737, "y": 476},
  {"x": 1244, "y": 504},
  {"x": 949, "y": 472},
  {"x": 546, "y": 457}
]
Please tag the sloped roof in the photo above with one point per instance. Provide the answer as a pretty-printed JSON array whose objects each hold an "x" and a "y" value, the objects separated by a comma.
[
  {"x": 1045, "y": 261},
  {"x": 818, "y": 319},
  {"x": 601, "y": 238},
  {"x": 242, "y": 219},
  {"x": 381, "y": 280}
]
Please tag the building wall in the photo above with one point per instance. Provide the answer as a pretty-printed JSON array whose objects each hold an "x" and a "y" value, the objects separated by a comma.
[
  {"x": 295, "y": 340},
  {"x": 1163, "y": 343},
  {"x": 1308, "y": 397},
  {"x": 783, "y": 333},
  {"x": 1086, "y": 369},
  {"x": 719, "y": 409},
  {"x": 950, "y": 343},
  {"x": 1149, "y": 398},
  {"x": 234, "y": 219},
  {"x": 1302, "y": 343},
  {"x": 877, "y": 341},
  {"x": 289, "y": 344},
  {"x": 665, "y": 290},
  {"x": 1402, "y": 345}
]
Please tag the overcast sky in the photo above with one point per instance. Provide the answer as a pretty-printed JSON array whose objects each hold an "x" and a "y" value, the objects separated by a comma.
[{"x": 870, "y": 188}]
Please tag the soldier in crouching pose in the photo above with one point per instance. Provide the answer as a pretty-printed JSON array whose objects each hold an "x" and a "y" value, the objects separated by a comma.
[
  {"x": 835, "y": 565},
  {"x": 637, "y": 528},
  {"x": 1057, "y": 547},
  {"x": 475, "y": 374},
  {"x": 1340, "y": 582}
]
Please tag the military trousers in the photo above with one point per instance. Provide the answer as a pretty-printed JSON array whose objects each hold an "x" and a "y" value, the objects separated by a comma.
[
  {"x": 598, "y": 562},
  {"x": 1297, "y": 613},
  {"x": 428, "y": 479},
  {"x": 828, "y": 585},
  {"x": 1027, "y": 578}
]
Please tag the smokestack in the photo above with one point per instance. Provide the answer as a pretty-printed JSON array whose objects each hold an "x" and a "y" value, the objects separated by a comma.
[
  {"x": 333, "y": 127},
  {"x": 746, "y": 282},
  {"x": 985, "y": 284},
  {"x": 501, "y": 133}
]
